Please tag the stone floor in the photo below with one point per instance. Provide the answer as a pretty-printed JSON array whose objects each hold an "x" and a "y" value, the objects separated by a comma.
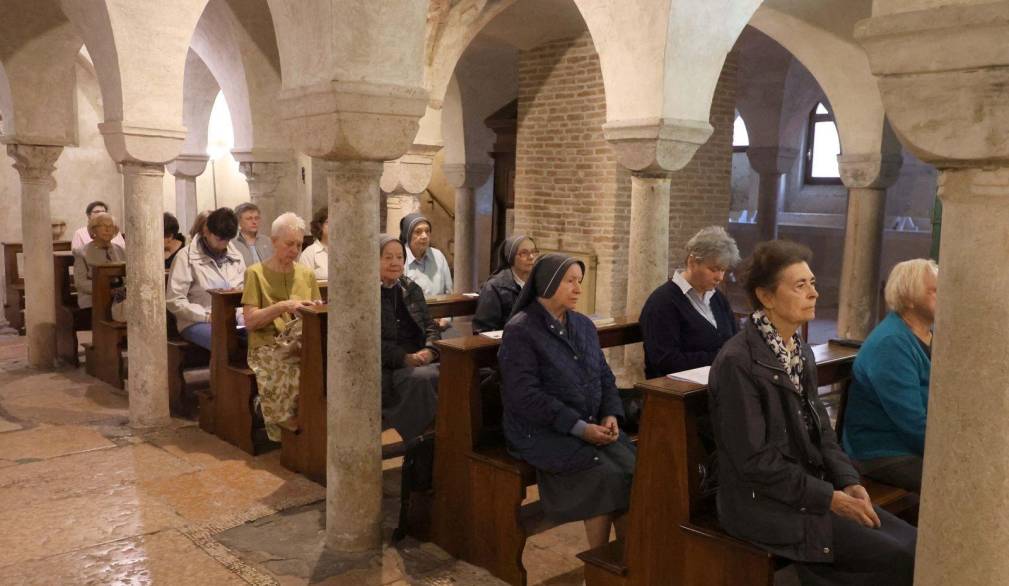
[{"x": 85, "y": 499}]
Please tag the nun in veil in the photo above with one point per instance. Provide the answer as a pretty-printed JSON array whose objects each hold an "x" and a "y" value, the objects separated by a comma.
[
  {"x": 515, "y": 259},
  {"x": 562, "y": 411}
]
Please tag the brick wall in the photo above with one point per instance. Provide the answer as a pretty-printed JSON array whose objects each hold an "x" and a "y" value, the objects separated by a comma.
[{"x": 570, "y": 192}]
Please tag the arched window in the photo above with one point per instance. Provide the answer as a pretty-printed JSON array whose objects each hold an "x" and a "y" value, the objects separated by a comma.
[
  {"x": 740, "y": 138},
  {"x": 822, "y": 148}
]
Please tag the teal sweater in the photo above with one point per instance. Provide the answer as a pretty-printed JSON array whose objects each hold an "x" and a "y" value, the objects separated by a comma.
[{"x": 888, "y": 398}]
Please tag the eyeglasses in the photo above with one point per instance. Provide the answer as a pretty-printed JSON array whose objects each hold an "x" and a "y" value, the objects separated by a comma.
[{"x": 527, "y": 253}]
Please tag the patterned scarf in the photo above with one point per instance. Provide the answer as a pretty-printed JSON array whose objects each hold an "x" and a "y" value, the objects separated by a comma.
[{"x": 792, "y": 361}]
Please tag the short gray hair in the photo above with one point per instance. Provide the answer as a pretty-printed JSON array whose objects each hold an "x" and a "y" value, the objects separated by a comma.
[
  {"x": 96, "y": 219},
  {"x": 246, "y": 207},
  {"x": 713, "y": 244},
  {"x": 906, "y": 283},
  {"x": 287, "y": 221}
]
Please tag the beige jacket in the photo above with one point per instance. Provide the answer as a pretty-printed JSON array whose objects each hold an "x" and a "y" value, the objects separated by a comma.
[{"x": 193, "y": 275}]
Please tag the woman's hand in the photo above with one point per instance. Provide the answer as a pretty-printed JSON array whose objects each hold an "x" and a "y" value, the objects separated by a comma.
[
  {"x": 856, "y": 508},
  {"x": 598, "y": 435},
  {"x": 422, "y": 358},
  {"x": 610, "y": 423},
  {"x": 293, "y": 305}
]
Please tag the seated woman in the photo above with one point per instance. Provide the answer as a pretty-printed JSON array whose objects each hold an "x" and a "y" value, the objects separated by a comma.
[
  {"x": 409, "y": 374},
  {"x": 515, "y": 260},
  {"x": 316, "y": 256},
  {"x": 173, "y": 240},
  {"x": 884, "y": 421},
  {"x": 784, "y": 483},
  {"x": 562, "y": 413},
  {"x": 275, "y": 290},
  {"x": 686, "y": 320},
  {"x": 100, "y": 249}
]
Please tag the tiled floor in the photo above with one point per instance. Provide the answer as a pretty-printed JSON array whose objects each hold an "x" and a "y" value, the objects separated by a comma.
[{"x": 85, "y": 499}]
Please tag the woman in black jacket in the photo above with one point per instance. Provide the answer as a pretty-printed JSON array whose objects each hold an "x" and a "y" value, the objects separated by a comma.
[
  {"x": 784, "y": 483},
  {"x": 409, "y": 371},
  {"x": 686, "y": 320},
  {"x": 562, "y": 412},
  {"x": 515, "y": 260}
]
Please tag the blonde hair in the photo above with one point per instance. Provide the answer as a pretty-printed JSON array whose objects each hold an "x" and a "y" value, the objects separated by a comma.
[
  {"x": 906, "y": 283},
  {"x": 287, "y": 221}
]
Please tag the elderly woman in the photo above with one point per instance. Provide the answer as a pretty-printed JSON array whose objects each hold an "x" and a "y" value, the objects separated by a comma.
[
  {"x": 275, "y": 290},
  {"x": 316, "y": 256},
  {"x": 784, "y": 483},
  {"x": 425, "y": 264},
  {"x": 83, "y": 235},
  {"x": 884, "y": 422},
  {"x": 686, "y": 320},
  {"x": 100, "y": 249},
  {"x": 562, "y": 413},
  {"x": 516, "y": 257},
  {"x": 409, "y": 374}
]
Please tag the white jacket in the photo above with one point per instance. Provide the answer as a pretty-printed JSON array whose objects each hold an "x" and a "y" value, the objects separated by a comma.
[
  {"x": 316, "y": 257},
  {"x": 193, "y": 275}
]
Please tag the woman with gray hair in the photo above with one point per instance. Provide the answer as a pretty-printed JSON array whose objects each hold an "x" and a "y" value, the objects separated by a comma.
[
  {"x": 686, "y": 320},
  {"x": 275, "y": 290},
  {"x": 884, "y": 422},
  {"x": 101, "y": 249}
]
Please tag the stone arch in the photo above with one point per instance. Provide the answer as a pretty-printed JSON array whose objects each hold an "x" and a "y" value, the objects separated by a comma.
[{"x": 200, "y": 89}]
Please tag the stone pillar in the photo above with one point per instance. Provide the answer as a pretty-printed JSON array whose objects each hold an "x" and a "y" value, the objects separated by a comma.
[
  {"x": 867, "y": 177},
  {"x": 145, "y": 300},
  {"x": 651, "y": 152},
  {"x": 35, "y": 166},
  {"x": 186, "y": 168},
  {"x": 772, "y": 164},
  {"x": 941, "y": 86},
  {"x": 354, "y": 348},
  {"x": 466, "y": 179},
  {"x": 404, "y": 180},
  {"x": 267, "y": 181}
]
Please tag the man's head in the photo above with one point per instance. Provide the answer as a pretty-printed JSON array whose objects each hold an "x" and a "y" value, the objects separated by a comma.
[
  {"x": 248, "y": 218},
  {"x": 96, "y": 207},
  {"x": 221, "y": 227}
]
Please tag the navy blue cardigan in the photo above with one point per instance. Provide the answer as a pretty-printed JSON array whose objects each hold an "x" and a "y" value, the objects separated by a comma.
[
  {"x": 549, "y": 382},
  {"x": 676, "y": 336}
]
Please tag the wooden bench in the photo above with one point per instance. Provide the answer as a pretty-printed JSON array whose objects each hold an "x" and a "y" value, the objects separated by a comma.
[
  {"x": 104, "y": 358},
  {"x": 14, "y": 283},
  {"x": 70, "y": 318},
  {"x": 304, "y": 450},
  {"x": 226, "y": 409},
  {"x": 182, "y": 356},
  {"x": 477, "y": 514},
  {"x": 673, "y": 534}
]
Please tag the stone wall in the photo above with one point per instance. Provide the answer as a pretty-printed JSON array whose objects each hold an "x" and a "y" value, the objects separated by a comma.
[{"x": 570, "y": 192}]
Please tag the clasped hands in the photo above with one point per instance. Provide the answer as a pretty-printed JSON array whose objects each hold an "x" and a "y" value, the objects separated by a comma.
[
  {"x": 603, "y": 434},
  {"x": 854, "y": 503},
  {"x": 421, "y": 358}
]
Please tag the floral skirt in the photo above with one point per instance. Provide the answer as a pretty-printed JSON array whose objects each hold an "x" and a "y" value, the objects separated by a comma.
[{"x": 278, "y": 375}]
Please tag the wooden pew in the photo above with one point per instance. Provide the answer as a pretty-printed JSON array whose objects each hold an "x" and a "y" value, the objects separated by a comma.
[
  {"x": 70, "y": 318},
  {"x": 14, "y": 283},
  {"x": 304, "y": 450},
  {"x": 226, "y": 410},
  {"x": 182, "y": 356},
  {"x": 104, "y": 356},
  {"x": 477, "y": 514},
  {"x": 673, "y": 534}
]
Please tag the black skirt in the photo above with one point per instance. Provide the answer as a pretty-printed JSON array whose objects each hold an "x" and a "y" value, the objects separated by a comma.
[{"x": 602, "y": 489}]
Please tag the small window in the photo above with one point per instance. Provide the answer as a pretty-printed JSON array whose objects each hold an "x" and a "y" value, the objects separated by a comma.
[
  {"x": 822, "y": 148},
  {"x": 740, "y": 138}
]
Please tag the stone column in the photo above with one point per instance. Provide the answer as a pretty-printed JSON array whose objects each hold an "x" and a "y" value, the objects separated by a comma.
[
  {"x": 354, "y": 347},
  {"x": 404, "y": 180},
  {"x": 867, "y": 177},
  {"x": 145, "y": 300},
  {"x": 651, "y": 152},
  {"x": 465, "y": 178},
  {"x": 267, "y": 188},
  {"x": 772, "y": 164},
  {"x": 186, "y": 168},
  {"x": 940, "y": 70},
  {"x": 35, "y": 166}
]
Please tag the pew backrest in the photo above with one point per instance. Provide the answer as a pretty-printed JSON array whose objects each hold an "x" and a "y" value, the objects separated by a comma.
[
  {"x": 12, "y": 255},
  {"x": 103, "y": 278}
]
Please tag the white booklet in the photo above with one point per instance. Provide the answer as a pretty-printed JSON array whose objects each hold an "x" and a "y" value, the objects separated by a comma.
[
  {"x": 495, "y": 334},
  {"x": 694, "y": 375}
]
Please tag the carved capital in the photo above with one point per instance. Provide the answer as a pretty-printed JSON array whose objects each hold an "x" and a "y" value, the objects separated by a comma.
[
  {"x": 264, "y": 178},
  {"x": 410, "y": 173},
  {"x": 343, "y": 120},
  {"x": 134, "y": 143},
  {"x": 869, "y": 171},
  {"x": 656, "y": 146},
  {"x": 188, "y": 166},
  {"x": 942, "y": 74},
  {"x": 35, "y": 164},
  {"x": 467, "y": 175},
  {"x": 771, "y": 160}
]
